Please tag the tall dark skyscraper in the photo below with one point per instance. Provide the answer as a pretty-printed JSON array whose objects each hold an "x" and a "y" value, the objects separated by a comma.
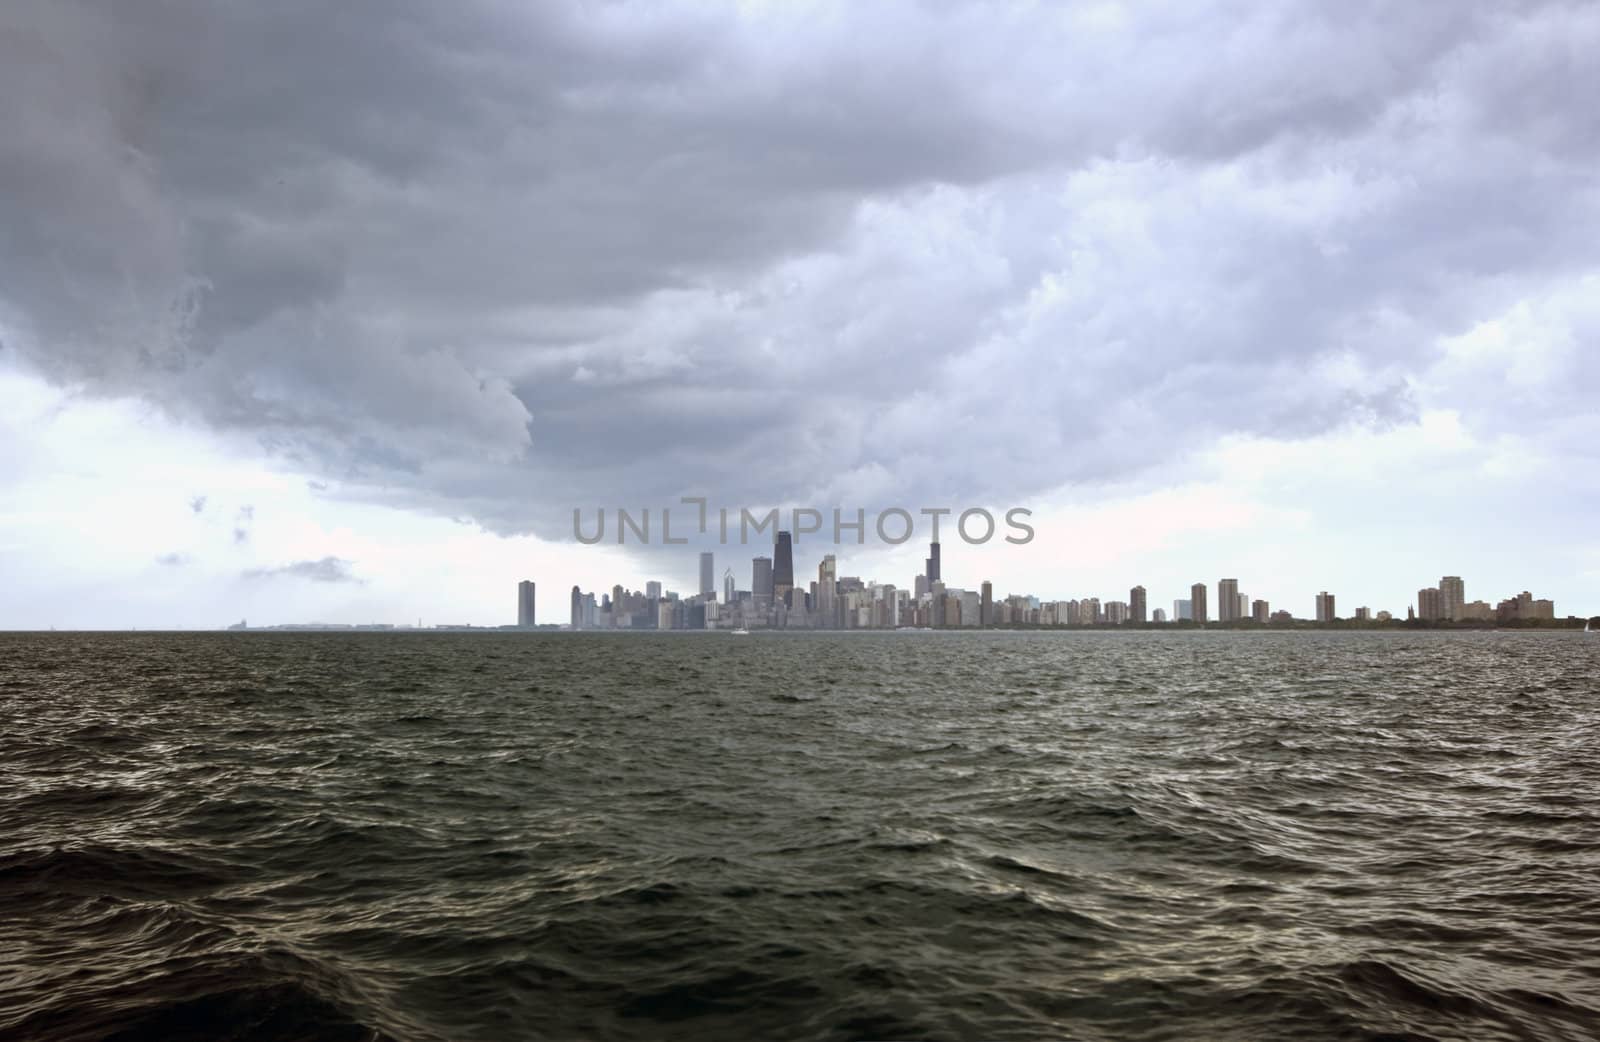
[
  {"x": 783, "y": 565},
  {"x": 1137, "y": 609},
  {"x": 986, "y": 604},
  {"x": 933, "y": 563},
  {"x": 1197, "y": 600}
]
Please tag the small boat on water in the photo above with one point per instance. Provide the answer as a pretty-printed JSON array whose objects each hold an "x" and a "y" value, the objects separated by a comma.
[{"x": 740, "y": 632}]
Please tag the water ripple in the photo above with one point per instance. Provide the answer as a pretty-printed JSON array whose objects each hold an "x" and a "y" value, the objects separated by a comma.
[{"x": 949, "y": 836}]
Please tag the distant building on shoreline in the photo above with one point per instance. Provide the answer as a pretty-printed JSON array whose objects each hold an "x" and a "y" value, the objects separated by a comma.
[
  {"x": 1523, "y": 608},
  {"x": 708, "y": 574},
  {"x": 1430, "y": 604},
  {"x": 1227, "y": 600},
  {"x": 527, "y": 618},
  {"x": 1452, "y": 597}
]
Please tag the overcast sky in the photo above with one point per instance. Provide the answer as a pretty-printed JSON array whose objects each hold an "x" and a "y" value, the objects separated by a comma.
[{"x": 336, "y": 311}]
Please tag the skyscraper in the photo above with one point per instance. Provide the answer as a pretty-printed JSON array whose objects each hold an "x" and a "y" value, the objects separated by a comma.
[
  {"x": 1262, "y": 611},
  {"x": 1430, "y": 604},
  {"x": 652, "y": 590},
  {"x": 577, "y": 608},
  {"x": 727, "y": 587},
  {"x": 1197, "y": 602},
  {"x": 933, "y": 563},
  {"x": 1452, "y": 597},
  {"x": 525, "y": 604},
  {"x": 1227, "y": 600},
  {"x": 761, "y": 581},
  {"x": 1136, "y": 605},
  {"x": 1182, "y": 610},
  {"x": 986, "y": 605},
  {"x": 1325, "y": 612},
  {"x": 782, "y": 565},
  {"x": 708, "y": 574},
  {"x": 827, "y": 585}
]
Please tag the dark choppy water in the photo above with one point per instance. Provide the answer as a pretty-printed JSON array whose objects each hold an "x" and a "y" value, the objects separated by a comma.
[{"x": 1094, "y": 836}]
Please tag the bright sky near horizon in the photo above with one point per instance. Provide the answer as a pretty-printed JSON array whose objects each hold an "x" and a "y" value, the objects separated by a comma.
[{"x": 335, "y": 314}]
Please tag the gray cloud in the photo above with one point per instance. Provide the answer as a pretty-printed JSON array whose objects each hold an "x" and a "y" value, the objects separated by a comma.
[
  {"x": 198, "y": 504},
  {"x": 502, "y": 260},
  {"x": 326, "y": 570},
  {"x": 173, "y": 560}
]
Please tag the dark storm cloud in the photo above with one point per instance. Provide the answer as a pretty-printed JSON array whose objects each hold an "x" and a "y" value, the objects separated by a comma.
[
  {"x": 326, "y": 570},
  {"x": 508, "y": 259}
]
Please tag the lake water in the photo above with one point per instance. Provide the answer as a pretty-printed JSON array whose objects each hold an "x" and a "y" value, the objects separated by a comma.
[{"x": 1095, "y": 835}]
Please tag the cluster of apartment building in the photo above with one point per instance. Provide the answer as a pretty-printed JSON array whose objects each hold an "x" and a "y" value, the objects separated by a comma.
[{"x": 1447, "y": 602}]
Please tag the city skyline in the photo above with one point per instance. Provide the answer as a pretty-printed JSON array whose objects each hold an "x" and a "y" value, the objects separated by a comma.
[{"x": 833, "y": 601}]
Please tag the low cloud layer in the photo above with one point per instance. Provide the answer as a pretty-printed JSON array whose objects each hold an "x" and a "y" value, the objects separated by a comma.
[
  {"x": 496, "y": 261},
  {"x": 326, "y": 570}
]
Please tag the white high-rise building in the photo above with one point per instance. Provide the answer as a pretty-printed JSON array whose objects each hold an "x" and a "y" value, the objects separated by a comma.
[
  {"x": 1452, "y": 597},
  {"x": 827, "y": 584},
  {"x": 526, "y": 615},
  {"x": 1182, "y": 610}
]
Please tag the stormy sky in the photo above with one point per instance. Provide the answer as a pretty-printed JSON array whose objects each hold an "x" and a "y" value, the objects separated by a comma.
[{"x": 338, "y": 310}]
